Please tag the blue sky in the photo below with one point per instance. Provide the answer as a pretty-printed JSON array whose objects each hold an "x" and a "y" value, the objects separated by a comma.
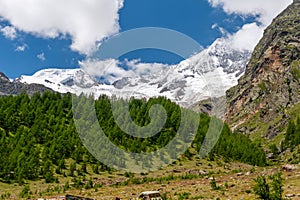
[{"x": 28, "y": 45}]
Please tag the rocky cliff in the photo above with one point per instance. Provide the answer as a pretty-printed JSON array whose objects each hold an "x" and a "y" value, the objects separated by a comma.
[
  {"x": 271, "y": 83},
  {"x": 8, "y": 87}
]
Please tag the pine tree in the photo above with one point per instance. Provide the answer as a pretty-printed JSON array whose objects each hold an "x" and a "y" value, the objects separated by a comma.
[{"x": 261, "y": 188}]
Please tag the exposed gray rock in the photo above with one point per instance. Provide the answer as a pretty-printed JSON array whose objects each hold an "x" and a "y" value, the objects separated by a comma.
[{"x": 14, "y": 88}]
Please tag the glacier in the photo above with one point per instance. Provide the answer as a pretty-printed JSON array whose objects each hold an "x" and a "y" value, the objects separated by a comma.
[{"x": 205, "y": 75}]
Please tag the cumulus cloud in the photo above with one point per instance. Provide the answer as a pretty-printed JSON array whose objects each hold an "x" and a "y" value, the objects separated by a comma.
[
  {"x": 113, "y": 70},
  {"x": 139, "y": 68},
  {"x": 9, "y": 32},
  {"x": 265, "y": 10},
  {"x": 21, "y": 48},
  {"x": 41, "y": 56},
  {"x": 103, "y": 68},
  {"x": 86, "y": 22},
  {"x": 248, "y": 36}
]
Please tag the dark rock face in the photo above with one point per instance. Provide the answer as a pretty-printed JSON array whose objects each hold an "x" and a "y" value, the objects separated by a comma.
[
  {"x": 3, "y": 78},
  {"x": 13, "y": 88},
  {"x": 271, "y": 83},
  {"x": 120, "y": 84}
]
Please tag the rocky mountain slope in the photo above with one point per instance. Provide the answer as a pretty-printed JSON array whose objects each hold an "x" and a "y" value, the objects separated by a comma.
[
  {"x": 271, "y": 83},
  {"x": 8, "y": 87},
  {"x": 207, "y": 74}
]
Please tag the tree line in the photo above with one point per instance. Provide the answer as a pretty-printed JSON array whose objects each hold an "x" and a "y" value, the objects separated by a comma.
[{"x": 38, "y": 136}]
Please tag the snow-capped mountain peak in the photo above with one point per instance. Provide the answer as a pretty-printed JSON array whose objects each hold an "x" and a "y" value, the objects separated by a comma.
[
  {"x": 204, "y": 75},
  {"x": 61, "y": 79}
]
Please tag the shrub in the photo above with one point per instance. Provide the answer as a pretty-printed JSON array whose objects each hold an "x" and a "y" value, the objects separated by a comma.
[{"x": 262, "y": 187}]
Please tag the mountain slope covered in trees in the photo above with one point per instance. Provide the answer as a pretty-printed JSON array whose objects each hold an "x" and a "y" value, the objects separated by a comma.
[{"x": 38, "y": 136}]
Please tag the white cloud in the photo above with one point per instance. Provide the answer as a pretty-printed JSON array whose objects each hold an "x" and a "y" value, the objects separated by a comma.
[
  {"x": 21, "y": 48},
  {"x": 85, "y": 21},
  {"x": 9, "y": 32},
  {"x": 41, "y": 56},
  {"x": 112, "y": 70},
  {"x": 222, "y": 30},
  {"x": 139, "y": 68},
  {"x": 214, "y": 26},
  {"x": 248, "y": 36},
  {"x": 104, "y": 68},
  {"x": 266, "y": 10}
]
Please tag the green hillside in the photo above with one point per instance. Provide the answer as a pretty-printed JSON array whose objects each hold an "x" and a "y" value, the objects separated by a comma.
[{"x": 38, "y": 137}]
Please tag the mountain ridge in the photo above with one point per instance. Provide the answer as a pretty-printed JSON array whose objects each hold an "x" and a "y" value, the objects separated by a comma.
[
  {"x": 8, "y": 87},
  {"x": 205, "y": 75},
  {"x": 270, "y": 85}
]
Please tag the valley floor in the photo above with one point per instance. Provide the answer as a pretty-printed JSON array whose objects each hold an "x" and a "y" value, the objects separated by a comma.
[{"x": 183, "y": 180}]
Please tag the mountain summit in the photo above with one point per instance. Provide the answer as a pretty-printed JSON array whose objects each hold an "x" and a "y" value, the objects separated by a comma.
[
  {"x": 8, "y": 87},
  {"x": 271, "y": 83},
  {"x": 207, "y": 74}
]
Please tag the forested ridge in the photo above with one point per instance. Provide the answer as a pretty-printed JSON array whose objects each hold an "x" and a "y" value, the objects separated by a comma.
[{"x": 38, "y": 136}]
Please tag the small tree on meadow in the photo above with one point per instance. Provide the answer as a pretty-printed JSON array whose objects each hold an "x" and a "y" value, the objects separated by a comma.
[{"x": 262, "y": 187}]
